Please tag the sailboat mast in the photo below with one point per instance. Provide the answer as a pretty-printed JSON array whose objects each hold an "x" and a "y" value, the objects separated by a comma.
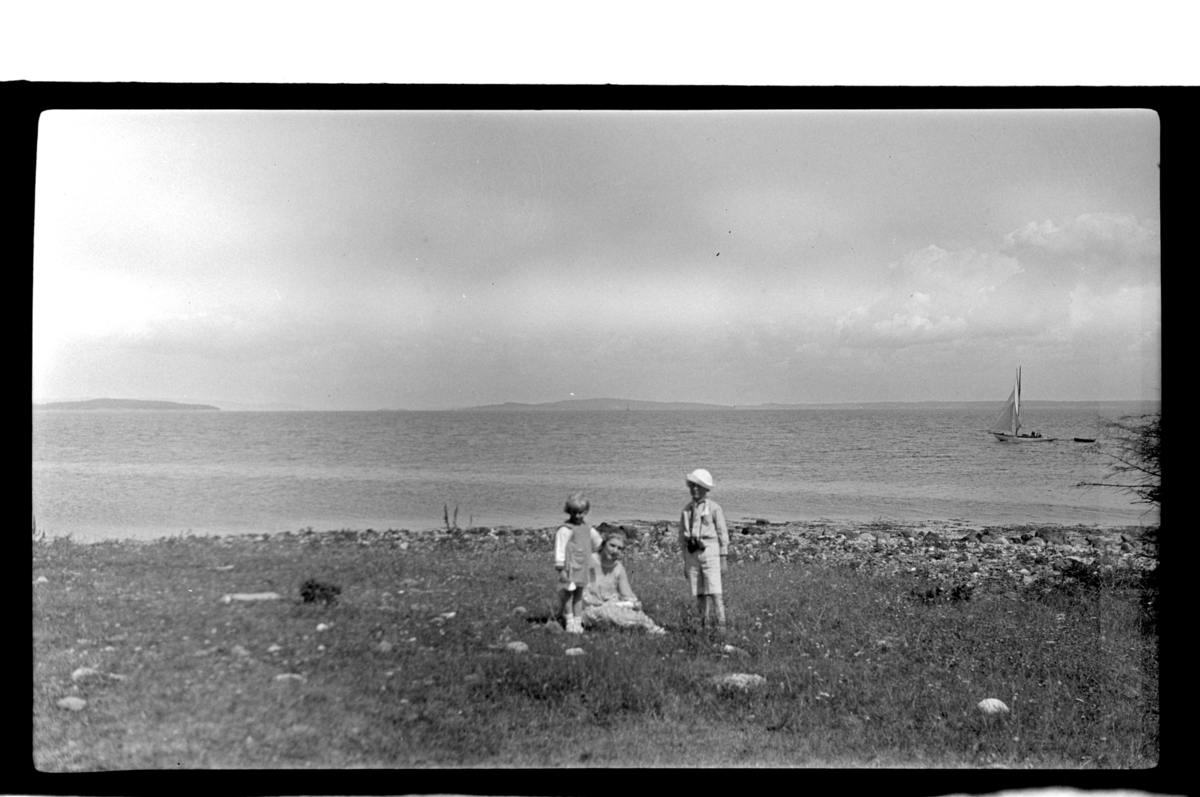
[{"x": 1017, "y": 404}]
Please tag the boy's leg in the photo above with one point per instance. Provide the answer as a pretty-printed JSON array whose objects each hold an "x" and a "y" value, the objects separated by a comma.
[
  {"x": 702, "y": 609},
  {"x": 719, "y": 604}
]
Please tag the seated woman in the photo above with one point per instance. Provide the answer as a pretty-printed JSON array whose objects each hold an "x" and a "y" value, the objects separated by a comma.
[{"x": 608, "y": 598}]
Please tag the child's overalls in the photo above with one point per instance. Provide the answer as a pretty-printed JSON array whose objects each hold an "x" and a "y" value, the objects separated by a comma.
[{"x": 579, "y": 553}]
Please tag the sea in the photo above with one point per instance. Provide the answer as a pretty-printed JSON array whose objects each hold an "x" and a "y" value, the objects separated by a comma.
[{"x": 145, "y": 474}]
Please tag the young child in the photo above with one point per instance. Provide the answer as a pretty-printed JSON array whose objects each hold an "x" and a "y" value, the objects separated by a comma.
[
  {"x": 704, "y": 543},
  {"x": 574, "y": 544}
]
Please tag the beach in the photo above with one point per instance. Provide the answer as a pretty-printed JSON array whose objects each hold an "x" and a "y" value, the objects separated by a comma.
[{"x": 441, "y": 648}]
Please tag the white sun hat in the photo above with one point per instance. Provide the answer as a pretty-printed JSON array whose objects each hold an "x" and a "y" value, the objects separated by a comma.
[{"x": 701, "y": 477}]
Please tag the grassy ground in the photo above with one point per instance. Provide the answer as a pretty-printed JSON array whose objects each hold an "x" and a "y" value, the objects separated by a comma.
[{"x": 859, "y": 672}]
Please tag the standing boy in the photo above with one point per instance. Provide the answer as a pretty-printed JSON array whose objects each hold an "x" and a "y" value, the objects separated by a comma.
[{"x": 704, "y": 542}]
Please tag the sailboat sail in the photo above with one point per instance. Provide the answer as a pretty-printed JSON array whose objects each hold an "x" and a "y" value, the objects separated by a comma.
[{"x": 1009, "y": 419}]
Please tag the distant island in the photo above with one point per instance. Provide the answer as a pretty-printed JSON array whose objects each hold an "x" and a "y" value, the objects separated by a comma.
[
  {"x": 121, "y": 404},
  {"x": 611, "y": 404}
]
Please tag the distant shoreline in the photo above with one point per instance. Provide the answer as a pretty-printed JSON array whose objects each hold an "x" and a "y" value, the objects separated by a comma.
[
  {"x": 616, "y": 405},
  {"x": 121, "y": 404},
  {"x": 622, "y": 405}
]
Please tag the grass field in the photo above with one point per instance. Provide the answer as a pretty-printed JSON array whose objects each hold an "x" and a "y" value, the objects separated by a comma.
[{"x": 410, "y": 666}]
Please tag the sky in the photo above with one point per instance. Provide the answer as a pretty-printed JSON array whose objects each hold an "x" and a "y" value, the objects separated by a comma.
[{"x": 339, "y": 260}]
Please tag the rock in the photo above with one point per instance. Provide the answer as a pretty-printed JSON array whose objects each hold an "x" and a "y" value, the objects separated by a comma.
[
  {"x": 517, "y": 647},
  {"x": 251, "y": 596},
  {"x": 574, "y": 651},
  {"x": 72, "y": 703},
  {"x": 734, "y": 651},
  {"x": 384, "y": 646},
  {"x": 42, "y": 580},
  {"x": 290, "y": 676},
  {"x": 274, "y": 649},
  {"x": 866, "y": 536},
  {"x": 1036, "y": 542},
  {"x": 520, "y": 610},
  {"x": 84, "y": 673},
  {"x": 238, "y": 650},
  {"x": 1126, "y": 547},
  {"x": 322, "y": 627},
  {"x": 1056, "y": 536},
  {"x": 992, "y": 706},
  {"x": 738, "y": 680}
]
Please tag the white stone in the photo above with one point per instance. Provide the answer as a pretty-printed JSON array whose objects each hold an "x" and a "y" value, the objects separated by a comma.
[
  {"x": 290, "y": 676},
  {"x": 42, "y": 580},
  {"x": 83, "y": 672},
  {"x": 322, "y": 627},
  {"x": 738, "y": 680},
  {"x": 72, "y": 703},
  {"x": 250, "y": 596},
  {"x": 274, "y": 649},
  {"x": 574, "y": 651},
  {"x": 517, "y": 647},
  {"x": 238, "y": 650},
  {"x": 384, "y": 646},
  {"x": 991, "y": 705}
]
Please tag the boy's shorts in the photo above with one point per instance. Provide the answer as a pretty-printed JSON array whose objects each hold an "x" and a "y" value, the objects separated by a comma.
[{"x": 704, "y": 571}]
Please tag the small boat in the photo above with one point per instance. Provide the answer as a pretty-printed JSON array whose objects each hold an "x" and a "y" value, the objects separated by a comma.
[
  {"x": 1007, "y": 426},
  {"x": 1085, "y": 439}
]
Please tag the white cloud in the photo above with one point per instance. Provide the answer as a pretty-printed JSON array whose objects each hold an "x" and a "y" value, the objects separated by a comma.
[
  {"x": 931, "y": 295},
  {"x": 1051, "y": 282},
  {"x": 1094, "y": 246}
]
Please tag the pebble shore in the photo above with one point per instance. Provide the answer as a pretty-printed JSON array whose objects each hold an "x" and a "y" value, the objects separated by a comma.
[{"x": 944, "y": 555}]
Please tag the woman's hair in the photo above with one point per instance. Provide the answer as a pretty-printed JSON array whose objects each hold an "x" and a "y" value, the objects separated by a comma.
[
  {"x": 618, "y": 534},
  {"x": 577, "y": 504}
]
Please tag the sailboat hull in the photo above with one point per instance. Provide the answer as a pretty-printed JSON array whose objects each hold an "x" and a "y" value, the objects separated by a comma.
[{"x": 1004, "y": 437}]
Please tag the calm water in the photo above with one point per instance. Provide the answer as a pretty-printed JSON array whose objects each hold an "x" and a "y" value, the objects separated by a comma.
[{"x": 149, "y": 474}]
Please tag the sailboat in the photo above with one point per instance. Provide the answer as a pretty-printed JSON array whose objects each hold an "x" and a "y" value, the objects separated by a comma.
[{"x": 1007, "y": 426}]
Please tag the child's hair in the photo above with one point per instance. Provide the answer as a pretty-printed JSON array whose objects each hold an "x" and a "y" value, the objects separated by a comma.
[{"x": 577, "y": 504}]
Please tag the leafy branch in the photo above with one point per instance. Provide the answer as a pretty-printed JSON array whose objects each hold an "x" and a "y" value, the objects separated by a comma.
[{"x": 1133, "y": 448}]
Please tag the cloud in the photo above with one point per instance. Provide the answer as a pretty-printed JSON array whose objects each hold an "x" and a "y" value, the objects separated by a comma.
[
  {"x": 1103, "y": 247},
  {"x": 1048, "y": 281},
  {"x": 930, "y": 296}
]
